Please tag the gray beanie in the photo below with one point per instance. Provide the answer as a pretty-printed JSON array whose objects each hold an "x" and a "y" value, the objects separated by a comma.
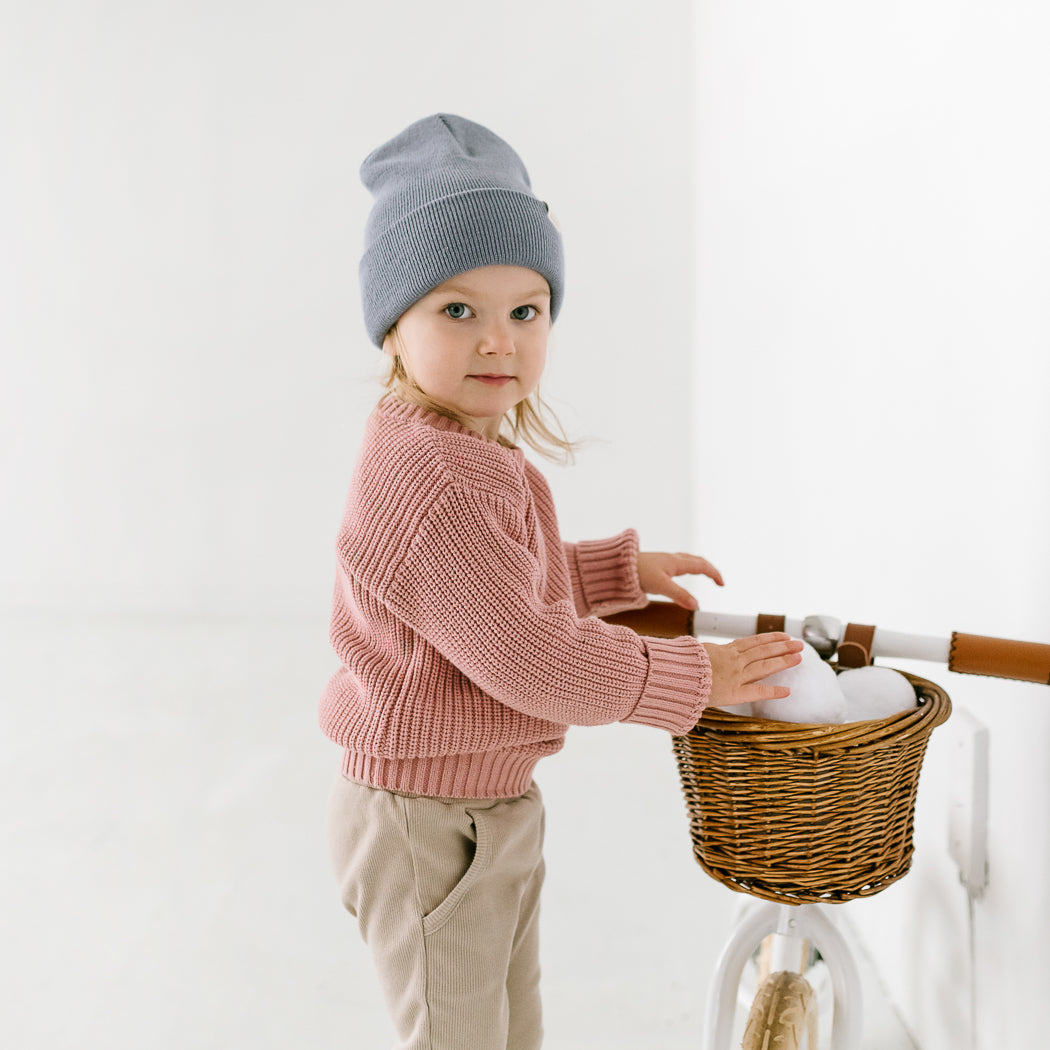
[{"x": 450, "y": 196}]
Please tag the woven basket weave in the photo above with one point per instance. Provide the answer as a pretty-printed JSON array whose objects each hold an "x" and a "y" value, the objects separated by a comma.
[{"x": 803, "y": 813}]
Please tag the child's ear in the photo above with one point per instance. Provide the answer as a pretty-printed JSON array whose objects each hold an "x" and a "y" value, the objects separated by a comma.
[{"x": 390, "y": 343}]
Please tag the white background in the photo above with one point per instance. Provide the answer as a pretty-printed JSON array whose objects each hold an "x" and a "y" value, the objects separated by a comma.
[
  {"x": 806, "y": 328},
  {"x": 872, "y": 438}
]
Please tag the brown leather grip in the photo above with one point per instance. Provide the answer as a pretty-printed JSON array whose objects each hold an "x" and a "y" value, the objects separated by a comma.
[
  {"x": 769, "y": 622},
  {"x": 855, "y": 648},
  {"x": 656, "y": 620},
  {"x": 1000, "y": 658}
]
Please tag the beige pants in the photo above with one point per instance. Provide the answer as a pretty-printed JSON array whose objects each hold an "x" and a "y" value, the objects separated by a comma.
[{"x": 446, "y": 894}]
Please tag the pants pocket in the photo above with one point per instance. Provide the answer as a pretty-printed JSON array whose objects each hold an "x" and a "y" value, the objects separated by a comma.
[{"x": 448, "y": 865}]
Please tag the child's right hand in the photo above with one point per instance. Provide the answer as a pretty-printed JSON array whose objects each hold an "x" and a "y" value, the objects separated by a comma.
[{"x": 737, "y": 669}]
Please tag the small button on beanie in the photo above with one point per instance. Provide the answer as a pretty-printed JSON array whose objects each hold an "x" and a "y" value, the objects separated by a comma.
[{"x": 450, "y": 196}]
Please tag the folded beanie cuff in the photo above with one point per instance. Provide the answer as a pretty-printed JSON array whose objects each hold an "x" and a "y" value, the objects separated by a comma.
[
  {"x": 449, "y": 236},
  {"x": 450, "y": 196}
]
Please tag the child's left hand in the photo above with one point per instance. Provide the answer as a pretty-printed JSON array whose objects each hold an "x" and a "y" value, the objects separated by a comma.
[{"x": 656, "y": 572}]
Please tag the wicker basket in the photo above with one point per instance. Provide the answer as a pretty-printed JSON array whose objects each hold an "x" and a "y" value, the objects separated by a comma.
[{"x": 800, "y": 813}]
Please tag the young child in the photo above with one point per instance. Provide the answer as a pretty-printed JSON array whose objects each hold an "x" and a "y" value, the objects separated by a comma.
[{"x": 466, "y": 627}]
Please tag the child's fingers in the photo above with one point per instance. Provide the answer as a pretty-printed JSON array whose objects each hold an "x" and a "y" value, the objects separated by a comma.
[
  {"x": 770, "y": 637},
  {"x": 679, "y": 595},
  {"x": 739, "y": 669},
  {"x": 763, "y": 646},
  {"x": 694, "y": 565},
  {"x": 765, "y": 668},
  {"x": 756, "y": 693},
  {"x": 766, "y": 654},
  {"x": 656, "y": 572}
]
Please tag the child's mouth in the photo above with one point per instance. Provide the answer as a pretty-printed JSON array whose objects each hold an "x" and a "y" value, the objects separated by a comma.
[{"x": 492, "y": 379}]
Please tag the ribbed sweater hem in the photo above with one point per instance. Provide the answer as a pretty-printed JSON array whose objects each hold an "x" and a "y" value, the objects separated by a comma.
[{"x": 495, "y": 774}]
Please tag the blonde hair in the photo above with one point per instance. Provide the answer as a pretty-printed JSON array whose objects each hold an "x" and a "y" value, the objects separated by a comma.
[{"x": 531, "y": 421}]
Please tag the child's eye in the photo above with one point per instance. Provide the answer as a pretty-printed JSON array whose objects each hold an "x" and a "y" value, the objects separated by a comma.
[
  {"x": 524, "y": 313},
  {"x": 458, "y": 311}
]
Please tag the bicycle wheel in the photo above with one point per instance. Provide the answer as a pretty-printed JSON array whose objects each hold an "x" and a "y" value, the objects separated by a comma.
[{"x": 784, "y": 1010}]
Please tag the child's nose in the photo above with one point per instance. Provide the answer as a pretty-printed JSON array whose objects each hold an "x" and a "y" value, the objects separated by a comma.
[{"x": 496, "y": 340}]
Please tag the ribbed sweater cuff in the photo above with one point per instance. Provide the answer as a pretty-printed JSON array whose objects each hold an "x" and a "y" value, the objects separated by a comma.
[
  {"x": 678, "y": 686},
  {"x": 609, "y": 573}
]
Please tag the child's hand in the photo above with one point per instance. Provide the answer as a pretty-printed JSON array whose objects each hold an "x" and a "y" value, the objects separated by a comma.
[
  {"x": 737, "y": 669},
  {"x": 656, "y": 572}
]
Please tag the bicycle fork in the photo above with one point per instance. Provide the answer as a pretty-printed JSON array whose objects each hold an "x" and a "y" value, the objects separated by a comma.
[{"x": 793, "y": 924}]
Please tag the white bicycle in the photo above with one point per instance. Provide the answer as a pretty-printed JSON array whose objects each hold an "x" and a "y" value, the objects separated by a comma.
[{"x": 800, "y": 816}]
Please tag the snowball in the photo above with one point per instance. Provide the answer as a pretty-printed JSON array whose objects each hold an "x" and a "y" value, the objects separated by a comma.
[
  {"x": 734, "y": 709},
  {"x": 815, "y": 693},
  {"x": 875, "y": 692}
]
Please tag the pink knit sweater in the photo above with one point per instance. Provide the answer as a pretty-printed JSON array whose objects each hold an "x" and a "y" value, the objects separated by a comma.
[{"x": 466, "y": 627}]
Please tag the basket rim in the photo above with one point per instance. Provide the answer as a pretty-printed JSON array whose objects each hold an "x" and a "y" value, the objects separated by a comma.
[{"x": 933, "y": 709}]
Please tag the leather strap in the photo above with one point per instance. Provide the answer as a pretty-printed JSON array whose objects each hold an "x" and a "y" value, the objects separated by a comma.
[
  {"x": 767, "y": 622},
  {"x": 855, "y": 648}
]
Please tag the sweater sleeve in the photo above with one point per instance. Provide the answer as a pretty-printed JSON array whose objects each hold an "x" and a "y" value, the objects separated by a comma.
[
  {"x": 604, "y": 574},
  {"x": 474, "y": 593}
]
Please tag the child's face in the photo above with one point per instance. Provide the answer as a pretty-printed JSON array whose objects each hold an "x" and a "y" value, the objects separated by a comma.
[{"x": 477, "y": 343}]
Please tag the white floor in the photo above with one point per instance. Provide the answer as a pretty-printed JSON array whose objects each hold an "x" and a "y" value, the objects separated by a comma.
[{"x": 165, "y": 880}]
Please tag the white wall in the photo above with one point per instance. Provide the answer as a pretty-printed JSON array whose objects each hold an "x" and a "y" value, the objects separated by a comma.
[
  {"x": 186, "y": 370},
  {"x": 872, "y": 436},
  {"x": 185, "y": 376}
]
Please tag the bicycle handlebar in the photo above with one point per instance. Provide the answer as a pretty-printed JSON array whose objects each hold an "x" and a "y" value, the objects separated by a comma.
[
  {"x": 1000, "y": 658},
  {"x": 854, "y": 644}
]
